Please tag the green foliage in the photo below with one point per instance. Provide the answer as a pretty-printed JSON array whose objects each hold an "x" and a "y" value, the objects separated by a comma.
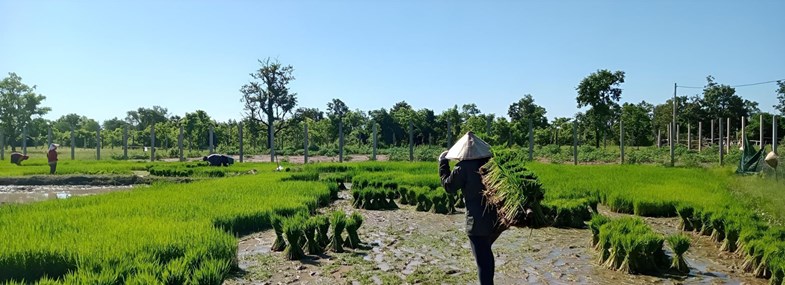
[
  {"x": 513, "y": 189},
  {"x": 680, "y": 243},
  {"x": 629, "y": 245}
]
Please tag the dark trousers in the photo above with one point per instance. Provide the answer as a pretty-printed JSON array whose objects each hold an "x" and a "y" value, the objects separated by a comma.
[
  {"x": 483, "y": 255},
  {"x": 52, "y": 167}
]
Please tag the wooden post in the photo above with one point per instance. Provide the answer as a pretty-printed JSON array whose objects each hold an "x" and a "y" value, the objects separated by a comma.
[
  {"x": 125, "y": 141},
  {"x": 727, "y": 136},
  {"x": 373, "y": 155},
  {"x": 305, "y": 142},
  {"x": 411, "y": 141},
  {"x": 98, "y": 143},
  {"x": 621, "y": 139},
  {"x": 240, "y": 140},
  {"x": 712, "y": 132},
  {"x": 340, "y": 141},
  {"x": 73, "y": 143},
  {"x": 721, "y": 142},
  {"x": 212, "y": 145},
  {"x": 575, "y": 142},
  {"x": 180, "y": 144},
  {"x": 762, "y": 145},
  {"x": 152, "y": 142},
  {"x": 689, "y": 136},
  {"x": 670, "y": 141},
  {"x": 24, "y": 140},
  {"x": 531, "y": 140},
  {"x": 743, "y": 129},
  {"x": 678, "y": 129},
  {"x": 2, "y": 146},
  {"x": 449, "y": 134},
  {"x": 673, "y": 129},
  {"x": 49, "y": 136},
  {"x": 774, "y": 137},
  {"x": 659, "y": 138},
  {"x": 700, "y": 136}
]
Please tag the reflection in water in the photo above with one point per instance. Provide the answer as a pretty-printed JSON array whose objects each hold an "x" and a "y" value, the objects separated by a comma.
[{"x": 26, "y": 194}]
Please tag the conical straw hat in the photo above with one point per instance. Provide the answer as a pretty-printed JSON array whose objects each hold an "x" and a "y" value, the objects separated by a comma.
[
  {"x": 771, "y": 159},
  {"x": 469, "y": 147}
]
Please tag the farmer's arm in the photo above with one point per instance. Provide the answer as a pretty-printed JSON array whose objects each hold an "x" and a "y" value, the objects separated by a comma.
[{"x": 451, "y": 180}]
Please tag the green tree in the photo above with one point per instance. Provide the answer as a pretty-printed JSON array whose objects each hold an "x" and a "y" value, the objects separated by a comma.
[
  {"x": 781, "y": 98},
  {"x": 269, "y": 101},
  {"x": 525, "y": 110},
  {"x": 637, "y": 123},
  {"x": 18, "y": 104},
  {"x": 721, "y": 101},
  {"x": 600, "y": 91}
]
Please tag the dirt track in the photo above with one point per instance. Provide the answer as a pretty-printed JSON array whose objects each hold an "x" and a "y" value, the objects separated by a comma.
[{"x": 410, "y": 247}]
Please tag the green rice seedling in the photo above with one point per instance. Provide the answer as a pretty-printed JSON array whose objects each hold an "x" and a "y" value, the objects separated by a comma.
[
  {"x": 277, "y": 223},
  {"x": 333, "y": 188},
  {"x": 450, "y": 203},
  {"x": 685, "y": 213},
  {"x": 568, "y": 213},
  {"x": 423, "y": 201},
  {"x": 353, "y": 223},
  {"x": 357, "y": 198},
  {"x": 629, "y": 245},
  {"x": 718, "y": 228},
  {"x": 338, "y": 222},
  {"x": 732, "y": 230},
  {"x": 411, "y": 194},
  {"x": 403, "y": 194},
  {"x": 311, "y": 243},
  {"x": 594, "y": 224},
  {"x": 212, "y": 272},
  {"x": 706, "y": 221},
  {"x": 391, "y": 194},
  {"x": 459, "y": 200},
  {"x": 322, "y": 228},
  {"x": 679, "y": 243},
  {"x": 620, "y": 203},
  {"x": 380, "y": 199},
  {"x": 654, "y": 208},
  {"x": 439, "y": 200},
  {"x": 293, "y": 229},
  {"x": 777, "y": 271},
  {"x": 513, "y": 189}
]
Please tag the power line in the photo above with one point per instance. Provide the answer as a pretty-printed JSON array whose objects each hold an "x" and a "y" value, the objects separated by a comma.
[{"x": 734, "y": 86}]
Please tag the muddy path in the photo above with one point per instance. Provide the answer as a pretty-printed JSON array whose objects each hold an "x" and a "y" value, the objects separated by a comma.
[
  {"x": 409, "y": 247},
  {"x": 35, "y": 193}
]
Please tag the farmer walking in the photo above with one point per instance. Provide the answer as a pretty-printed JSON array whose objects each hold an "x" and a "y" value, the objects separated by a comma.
[
  {"x": 52, "y": 157},
  {"x": 482, "y": 223}
]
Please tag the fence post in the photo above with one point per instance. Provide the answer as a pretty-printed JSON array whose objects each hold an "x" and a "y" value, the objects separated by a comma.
[
  {"x": 49, "y": 136},
  {"x": 773, "y": 133},
  {"x": 678, "y": 129},
  {"x": 24, "y": 140},
  {"x": 212, "y": 145},
  {"x": 2, "y": 146},
  {"x": 762, "y": 145},
  {"x": 98, "y": 143},
  {"x": 712, "y": 132},
  {"x": 305, "y": 142},
  {"x": 449, "y": 134},
  {"x": 621, "y": 139},
  {"x": 659, "y": 138},
  {"x": 743, "y": 128},
  {"x": 700, "y": 136},
  {"x": 180, "y": 144},
  {"x": 240, "y": 138},
  {"x": 73, "y": 143},
  {"x": 411, "y": 141},
  {"x": 531, "y": 140},
  {"x": 671, "y": 131},
  {"x": 373, "y": 155},
  {"x": 689, "y": 136},
  {"x": 152, "y": 142},
  {"x": 727, "y": 136},
  {"x": 721, "y": 142},
  {"x": 125, "y": 142},
  {"x": 575, "y": 142},
  {"x": 340, "y": 140}
]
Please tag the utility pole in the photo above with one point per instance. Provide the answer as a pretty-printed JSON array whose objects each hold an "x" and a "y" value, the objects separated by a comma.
[{"x": 673, "y": 124}]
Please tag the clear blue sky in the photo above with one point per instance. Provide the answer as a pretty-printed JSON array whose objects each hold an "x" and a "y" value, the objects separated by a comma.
[{"x": 103, "y": 58}]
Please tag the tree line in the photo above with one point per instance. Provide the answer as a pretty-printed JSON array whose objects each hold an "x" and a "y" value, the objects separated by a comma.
[{"x": 272, "y": 117}]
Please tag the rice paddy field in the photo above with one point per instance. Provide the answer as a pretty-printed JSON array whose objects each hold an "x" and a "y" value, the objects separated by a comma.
[{"x": 187, "y": 233}]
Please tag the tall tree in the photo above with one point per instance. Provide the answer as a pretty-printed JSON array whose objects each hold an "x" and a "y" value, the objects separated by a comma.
[
  {"x": 637, "y": 123},
  {"x": 18, "y": 104},
  {"x": 781, "y": 98},
  {"x": 525, "y": 110},
  {"x": 269, "y": 101},
  {"x": 600, "y": 91},
  {"x": 336, "y": 109},
  {"x": 721, "y": 101}
]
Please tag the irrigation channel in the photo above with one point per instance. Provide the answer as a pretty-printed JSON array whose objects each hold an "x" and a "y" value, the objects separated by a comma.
[
  {"x": 35, "y": 193},
  {"x": 423, "y": 248}
]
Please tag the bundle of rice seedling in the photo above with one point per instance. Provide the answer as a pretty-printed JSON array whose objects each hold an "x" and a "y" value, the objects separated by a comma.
[
  {"x": 391, "y": 194},
  {"x": 568, "y": 213},
  {"x": 357, "y": 196},
  {"x": 423, "y": 201},
  {"x": 459, "y": 200},
  {"x": 353, "y": 223},
  {"x": 277, "y": 222},
  {"x": 685, "y": 212},
  {"x": 450, "y": 203},
  {"x": 594, "y": 224},
  {"x": 411, "y": 195},
  {"x": 338, "y": 222},
  {"x": 440, "y": 202},
  {"x": 403, "y": 195},
  {"x": 732, "y": 230},
  {"x": 293, "y": 229},
  {"x": 718, "y": 228},
  {"x": 322, "y": 227},
  {"x": 706, "y": 221},
  {"x": 514, "y": 191},
  {"x": 311, "y": 243},
  {"x": 629, "y": 245},
  {"x": 680, "y": 243}
]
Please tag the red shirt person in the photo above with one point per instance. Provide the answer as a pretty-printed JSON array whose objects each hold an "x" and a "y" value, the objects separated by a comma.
[{"x": 52, "y": 157}]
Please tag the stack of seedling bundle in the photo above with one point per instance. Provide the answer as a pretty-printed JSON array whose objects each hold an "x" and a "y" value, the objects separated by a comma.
[
  {"x": 513, "y": 190},
  {"x": 317, "y": 234},
  {"x": 629, "y": 245},
  {"x": 374, "y": 198}
]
